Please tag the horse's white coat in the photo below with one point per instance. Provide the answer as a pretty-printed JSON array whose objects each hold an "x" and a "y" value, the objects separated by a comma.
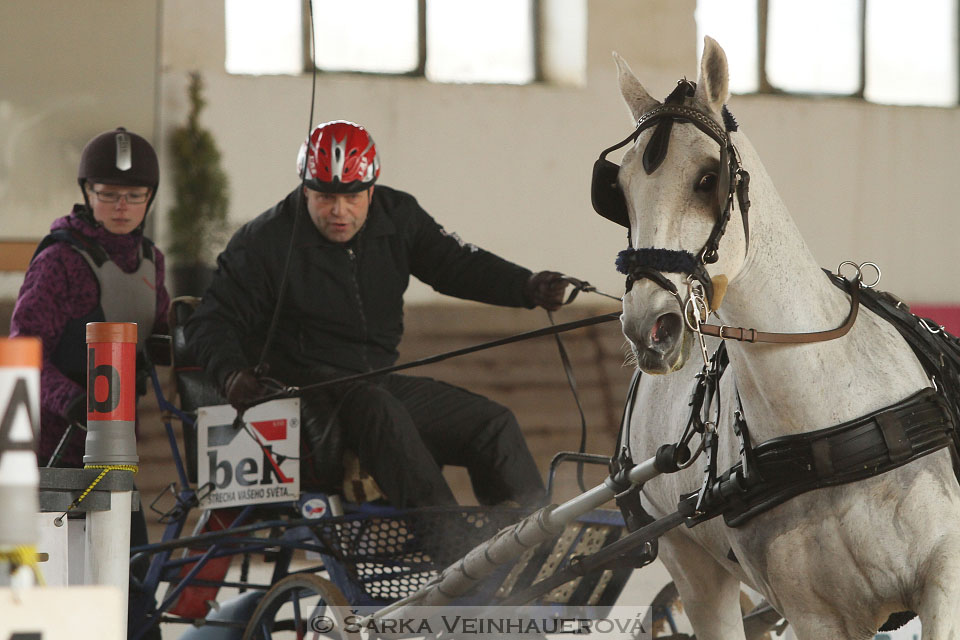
[{"x": 835, "y": 562}]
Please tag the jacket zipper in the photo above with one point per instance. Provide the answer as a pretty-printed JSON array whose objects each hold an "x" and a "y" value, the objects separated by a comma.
[{"x": 363, "y": 316}]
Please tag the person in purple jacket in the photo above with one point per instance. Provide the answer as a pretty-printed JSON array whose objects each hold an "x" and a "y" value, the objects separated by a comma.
[{"x": 94, "y": 266}]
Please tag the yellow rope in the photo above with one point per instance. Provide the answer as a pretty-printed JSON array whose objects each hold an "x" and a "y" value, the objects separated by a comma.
[
  {"x": 106, "y": 468},
  {"x": 23, "y": 556}
]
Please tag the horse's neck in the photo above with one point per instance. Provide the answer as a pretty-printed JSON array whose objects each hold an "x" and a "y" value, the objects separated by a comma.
[{"x": 788, "y": 388}]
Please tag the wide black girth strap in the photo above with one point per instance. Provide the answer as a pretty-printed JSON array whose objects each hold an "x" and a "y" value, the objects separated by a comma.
[{"x": 862, "y": 448}]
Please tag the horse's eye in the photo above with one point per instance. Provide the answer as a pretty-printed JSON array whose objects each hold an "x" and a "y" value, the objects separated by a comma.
[{"x": 707, "y": 183}]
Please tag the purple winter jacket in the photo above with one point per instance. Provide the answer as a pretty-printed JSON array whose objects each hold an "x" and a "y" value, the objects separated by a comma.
[{"x": 59, "y": 286}]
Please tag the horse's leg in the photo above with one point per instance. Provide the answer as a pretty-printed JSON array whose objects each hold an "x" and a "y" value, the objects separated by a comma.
[
  {"x": 710, "y": 595},
  {"x": 939, "y": 605}
]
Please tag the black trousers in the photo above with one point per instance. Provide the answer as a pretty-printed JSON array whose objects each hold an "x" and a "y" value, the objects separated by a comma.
[{"x": 404, "y": 429}]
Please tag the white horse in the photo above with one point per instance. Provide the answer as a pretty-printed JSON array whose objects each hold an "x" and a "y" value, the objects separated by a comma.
[{"x": 835, "y": 562}]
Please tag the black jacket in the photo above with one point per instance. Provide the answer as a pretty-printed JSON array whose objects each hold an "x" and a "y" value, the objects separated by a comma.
[{"x": 344, "y": 302}]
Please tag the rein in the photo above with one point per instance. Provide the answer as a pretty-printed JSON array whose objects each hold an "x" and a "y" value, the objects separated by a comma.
[
  {"x": 262, "y": 367},
  {"x": 776, "y": 470},
  {"x": 289, "y": 391},
  {"x": 741, "y": 334}
]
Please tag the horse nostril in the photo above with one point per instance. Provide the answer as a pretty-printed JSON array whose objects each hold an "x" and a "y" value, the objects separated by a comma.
[{"x": 666, "y": 328}]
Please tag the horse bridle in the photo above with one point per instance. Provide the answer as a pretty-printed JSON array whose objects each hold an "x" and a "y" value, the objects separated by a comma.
[{"x": 733, "y": 184}]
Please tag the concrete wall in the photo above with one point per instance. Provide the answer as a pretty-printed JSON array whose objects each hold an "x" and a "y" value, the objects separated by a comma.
[
  {"x": 507, "y": 167},
  {"x": 70, "y": 70}
]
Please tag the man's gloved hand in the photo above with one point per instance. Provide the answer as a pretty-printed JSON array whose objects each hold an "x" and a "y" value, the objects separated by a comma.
[
  {"x": 76, "y": 411},
  {"x": 545, "y": 289},
  {"x": 242, "y": 388}
]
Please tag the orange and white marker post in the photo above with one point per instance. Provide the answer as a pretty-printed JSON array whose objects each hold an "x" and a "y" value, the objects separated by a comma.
[
  {"x": 20, "y": 363},
  {"x": 111, "y": 394},
  {"x": 111, "y": 445}
]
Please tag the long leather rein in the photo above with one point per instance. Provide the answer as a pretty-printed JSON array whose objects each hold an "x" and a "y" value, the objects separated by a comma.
[{"x": 742, "y": 334}]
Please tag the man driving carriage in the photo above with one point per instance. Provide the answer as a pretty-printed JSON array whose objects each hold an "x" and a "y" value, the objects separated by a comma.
[{"x": 351, "y": 258}]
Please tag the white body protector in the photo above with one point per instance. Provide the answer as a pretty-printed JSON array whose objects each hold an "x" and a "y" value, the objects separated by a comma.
[{"x": 127, "y": 297}]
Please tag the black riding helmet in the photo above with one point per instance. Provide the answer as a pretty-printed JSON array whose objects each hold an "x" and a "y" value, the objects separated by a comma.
[{"x": 119, "y": 157}]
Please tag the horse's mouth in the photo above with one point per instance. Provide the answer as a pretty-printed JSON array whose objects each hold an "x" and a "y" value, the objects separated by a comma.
[
  {"x": 666, "y": 330},
  {"x": 664, "y": 346}
]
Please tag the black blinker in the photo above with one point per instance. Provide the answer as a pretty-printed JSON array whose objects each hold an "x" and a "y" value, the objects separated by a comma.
[{"x": 605, "y": 193}]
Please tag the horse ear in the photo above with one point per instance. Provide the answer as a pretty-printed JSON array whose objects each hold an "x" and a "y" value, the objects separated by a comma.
[
  {"x": 636, "y": 97},
  {"x": 713, "y": 87}
]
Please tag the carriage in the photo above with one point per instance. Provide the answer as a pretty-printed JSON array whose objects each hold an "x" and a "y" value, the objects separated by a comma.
[{"x": 320, "y": 553}]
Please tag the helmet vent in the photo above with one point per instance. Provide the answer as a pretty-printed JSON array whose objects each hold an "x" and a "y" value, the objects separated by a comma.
[{"x": 124, "y": 152}]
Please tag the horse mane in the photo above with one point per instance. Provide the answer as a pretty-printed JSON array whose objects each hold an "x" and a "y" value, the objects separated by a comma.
[{"x": 728, "y": 120}]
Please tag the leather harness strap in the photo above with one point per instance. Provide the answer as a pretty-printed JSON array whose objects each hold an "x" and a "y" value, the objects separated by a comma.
[
  {"x": 870, "y": 445},
  {"x": 861, "y": 448},
  {"x": 752, "y": 335}
]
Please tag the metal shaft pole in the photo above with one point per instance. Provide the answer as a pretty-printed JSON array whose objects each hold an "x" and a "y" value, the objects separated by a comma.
[{"x": 510, "y": 543}]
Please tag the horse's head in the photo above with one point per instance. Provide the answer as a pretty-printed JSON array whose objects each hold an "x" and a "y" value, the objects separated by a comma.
[{"x": 675, "y": 192}]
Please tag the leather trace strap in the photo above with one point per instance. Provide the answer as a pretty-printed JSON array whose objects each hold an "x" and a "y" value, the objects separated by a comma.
[{"x": 752, "y": 335}]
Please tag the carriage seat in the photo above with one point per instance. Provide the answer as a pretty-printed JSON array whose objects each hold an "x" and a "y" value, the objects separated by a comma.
[{"x": 196, "y": 390}]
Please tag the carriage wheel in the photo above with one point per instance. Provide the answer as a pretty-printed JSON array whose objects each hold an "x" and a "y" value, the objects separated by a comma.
[
  {"x": 665, "y": 610},
  {"x": 667, "y": 622},
  {"x": 301, "y": 606}
]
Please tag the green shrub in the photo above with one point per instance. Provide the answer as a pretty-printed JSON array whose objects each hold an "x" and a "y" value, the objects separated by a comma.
[{"x": 198, "y": 218}]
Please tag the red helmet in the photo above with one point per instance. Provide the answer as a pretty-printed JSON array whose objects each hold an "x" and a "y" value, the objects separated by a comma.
[{"x": 340, "y": 157}]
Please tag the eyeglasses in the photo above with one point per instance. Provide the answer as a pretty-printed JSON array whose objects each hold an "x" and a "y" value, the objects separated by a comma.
[{"x": 111, "y": 197}]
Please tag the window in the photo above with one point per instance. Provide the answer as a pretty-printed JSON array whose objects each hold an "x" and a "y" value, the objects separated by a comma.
[
  {"x": 264, "y": 38},
  {"x": 920, "y": 68},
  {"x": 375, "y": 36},
  {"x": 737, "y": 36},
  {"x": 493, "y": 41},
  {"x": 881, "y": 50},
  {"x": 489, "y": 41},
  {"x": 814, "y": 46}
]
